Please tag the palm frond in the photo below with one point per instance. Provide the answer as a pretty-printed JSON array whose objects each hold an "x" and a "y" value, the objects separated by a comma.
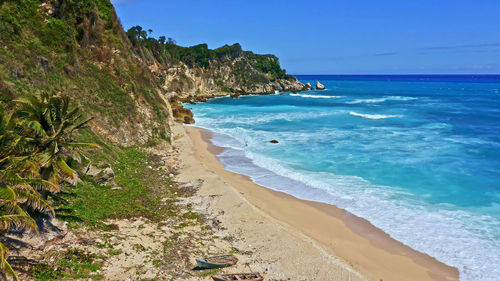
[
  {"x": 7, "y": 194},
  {"x": 83, "y": 145},
  {"x": 65, "y": 169},
  {"x": 5, "y": 267},
  {"x": 22, "y": 221},
  {"x": 35, "y": 201}
]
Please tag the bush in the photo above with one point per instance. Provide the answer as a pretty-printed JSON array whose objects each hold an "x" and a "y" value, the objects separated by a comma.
[{"x": 56, "y": 33}]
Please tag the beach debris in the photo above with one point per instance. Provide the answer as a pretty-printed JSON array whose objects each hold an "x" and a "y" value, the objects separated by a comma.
[
  {"x": 238, "y": 276},
  {"x": 274, "y": 141},
  {"x": 216, "y": 262},
  {"x": 320, "y": 86}
]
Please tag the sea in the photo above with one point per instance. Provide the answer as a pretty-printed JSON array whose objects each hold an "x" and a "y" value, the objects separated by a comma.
[{"x": 416, "y": 155}]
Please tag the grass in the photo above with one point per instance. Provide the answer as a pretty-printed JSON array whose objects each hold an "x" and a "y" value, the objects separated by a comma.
[
  {"x": 208, "y": 273},
  {"x": 70, "y": 265},
  {"x": 115, "y": 252},
  {"x": 91, "y": 204}
]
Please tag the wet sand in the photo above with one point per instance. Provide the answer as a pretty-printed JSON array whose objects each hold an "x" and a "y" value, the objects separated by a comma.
[{"x": 350, "y": 247}]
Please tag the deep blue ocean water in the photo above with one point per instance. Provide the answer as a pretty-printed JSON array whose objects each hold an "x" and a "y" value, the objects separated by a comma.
[{"x": 418, "y": 156}]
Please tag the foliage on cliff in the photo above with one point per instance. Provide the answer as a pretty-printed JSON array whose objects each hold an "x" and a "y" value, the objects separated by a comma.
[
  {"x": 200, "y": 55},
  {"x": 58, "y": 55},
  {"x": 80, "y": 49},
  {"x": 246, "y": 70}
]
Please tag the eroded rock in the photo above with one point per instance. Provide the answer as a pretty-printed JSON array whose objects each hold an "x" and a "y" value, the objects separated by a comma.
[{"x": 320, "y": 86}]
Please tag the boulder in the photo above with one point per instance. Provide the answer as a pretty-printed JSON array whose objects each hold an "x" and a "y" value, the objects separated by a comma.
[
  {"x": 320, "y": 86},
  {"x": 101, "y": 176},
  {"x": 274, "y": 141},
  {"x": 106, "y": 176},
  {"x": 182, "y": 114},
  {"x": 308, "y": 86}
]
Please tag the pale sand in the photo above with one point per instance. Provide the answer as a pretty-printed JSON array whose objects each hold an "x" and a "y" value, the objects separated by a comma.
[{"x": 299, "y": 239}]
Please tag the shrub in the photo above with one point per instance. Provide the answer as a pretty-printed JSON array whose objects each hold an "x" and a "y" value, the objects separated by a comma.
[{"x": 56, "y": 33}]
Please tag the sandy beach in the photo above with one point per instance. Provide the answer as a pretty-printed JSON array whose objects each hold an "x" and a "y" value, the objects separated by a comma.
[{"x": 293, "y": 238}]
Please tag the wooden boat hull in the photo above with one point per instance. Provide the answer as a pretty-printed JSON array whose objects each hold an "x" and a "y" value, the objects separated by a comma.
[
  {"x": 216, "y": 262},
  {"x": 207, "y": 265},
  {"x": 238, "y": 276}
]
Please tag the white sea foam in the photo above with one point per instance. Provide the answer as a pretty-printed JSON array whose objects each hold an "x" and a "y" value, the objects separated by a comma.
[
  {"x": 264, "y": 118},
  {"x": 373, "y": 116},
  {"x": 379, "y": 100},
  {"x": 455, "y": 237},
  {"x": 315, "y": 96}
]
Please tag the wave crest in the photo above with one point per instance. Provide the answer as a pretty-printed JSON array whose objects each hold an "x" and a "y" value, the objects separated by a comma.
[
  {"x": 373, "y": 116},
  {"x": 315, "y": 96},
  {"x": 383, "y": 99}
]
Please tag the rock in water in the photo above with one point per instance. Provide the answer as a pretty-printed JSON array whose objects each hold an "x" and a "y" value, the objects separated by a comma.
[
  {"x": 308, "y": 86},
  {"x": 274, "y": 141},
  {"x": 320, "y": 86}
]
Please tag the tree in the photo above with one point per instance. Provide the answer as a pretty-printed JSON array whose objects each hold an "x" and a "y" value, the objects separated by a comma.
[
  {"x": 171, "y": 41},
  {"x": 52, "y": 123},
  {"x": 35, "y": 143},
  {"x": 162, "y": 40},
  {"x": 18, "y": 176}
]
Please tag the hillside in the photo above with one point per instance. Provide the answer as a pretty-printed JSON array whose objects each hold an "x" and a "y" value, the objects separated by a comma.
[
  {"x": 127, "y": 81},
  {"x": 121, "y": 214}
]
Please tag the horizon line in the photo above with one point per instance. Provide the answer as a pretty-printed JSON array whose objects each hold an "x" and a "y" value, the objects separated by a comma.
[{"x": 399, "y": 74}]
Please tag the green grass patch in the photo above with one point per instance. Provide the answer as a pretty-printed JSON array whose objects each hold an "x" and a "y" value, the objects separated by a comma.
[
  {"x": 70, "y": 265},
  {"x": 91, "y": 204},
  {"x": 208, "y": 273}
]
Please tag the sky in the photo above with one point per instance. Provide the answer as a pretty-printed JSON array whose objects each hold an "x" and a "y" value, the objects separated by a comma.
[{"x": 336, "y": 36}]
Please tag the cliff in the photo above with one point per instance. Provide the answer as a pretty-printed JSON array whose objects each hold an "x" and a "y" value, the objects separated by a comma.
[{"x": 131, "y": 83}]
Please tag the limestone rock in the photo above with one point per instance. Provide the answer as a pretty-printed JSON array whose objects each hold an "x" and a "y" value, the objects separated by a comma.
[
  {"x": 101, "y": 176},
  {"x": 106, "y": 176},
  {"x": 320, "y": 86}
]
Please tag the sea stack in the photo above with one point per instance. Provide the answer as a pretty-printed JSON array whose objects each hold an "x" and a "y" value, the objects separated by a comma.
[
  {"x": 320, "y": 86},
  {"x": 308, "y": 86}
]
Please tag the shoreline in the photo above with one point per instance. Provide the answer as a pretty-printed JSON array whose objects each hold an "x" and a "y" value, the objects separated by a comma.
[{"x": 352, "y": 239}]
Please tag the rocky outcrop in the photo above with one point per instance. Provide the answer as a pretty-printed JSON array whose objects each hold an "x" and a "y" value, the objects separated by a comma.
[
  {"x": 128, "y": 85},
  {"x": 320, "y": 86},
  {"x": 104, "y": 176},
  {"x": 308, "y": 86},
  {"x": 182, "y": 114},
  {"x": 222, "y": 78}
]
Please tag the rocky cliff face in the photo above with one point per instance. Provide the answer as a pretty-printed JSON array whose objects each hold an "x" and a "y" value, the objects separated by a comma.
[
  {"x": 185, "y": 83},
  {"x": 131, "y": 84}
]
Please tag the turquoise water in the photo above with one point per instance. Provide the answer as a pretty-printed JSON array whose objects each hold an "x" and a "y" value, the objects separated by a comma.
[{"x": 418, "y": 156}]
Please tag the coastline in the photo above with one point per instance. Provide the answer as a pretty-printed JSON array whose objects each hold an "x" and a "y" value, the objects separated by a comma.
[{"x": 355, "y": 245}]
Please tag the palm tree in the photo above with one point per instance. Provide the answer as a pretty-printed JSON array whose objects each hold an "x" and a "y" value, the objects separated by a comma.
[
  {"x": 17, "y": 177},
  {"x": 53, "y": 123}
]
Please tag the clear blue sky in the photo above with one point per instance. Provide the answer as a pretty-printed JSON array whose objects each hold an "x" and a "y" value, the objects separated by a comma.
[{"x": 336, "y": 36}]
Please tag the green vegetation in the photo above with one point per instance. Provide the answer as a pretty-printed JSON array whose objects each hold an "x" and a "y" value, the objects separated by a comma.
[
  {"x": 90, "y": 203},
  {"x": 36, "y": 145},
  {"x": 70, "y": 265},
  {"x": 55, "y": 32},
  {"x": 59, "y": 58},
  {"x": 200, "y": 55},
  {"x": 77, "y": 48}
]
